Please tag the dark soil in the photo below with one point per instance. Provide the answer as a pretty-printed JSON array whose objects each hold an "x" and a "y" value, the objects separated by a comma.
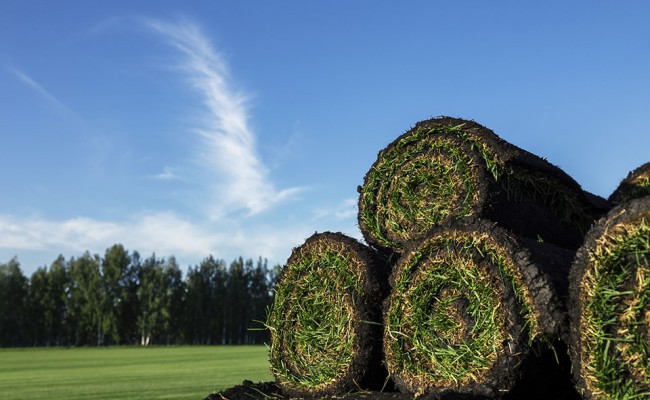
[
  {"x": 538, "y": 383},
  {"x": 268, "y": 390}
]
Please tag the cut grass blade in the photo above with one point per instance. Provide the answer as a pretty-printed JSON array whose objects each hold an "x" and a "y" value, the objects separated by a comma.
[
  {"x": 610, "y": 292},
  {"x": 447, "y": 168},
  {"x": 467, "y": 304},
  {"x": 326, "y": 318}
]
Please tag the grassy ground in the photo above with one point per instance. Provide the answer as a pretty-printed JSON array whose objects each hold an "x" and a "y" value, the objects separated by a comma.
[{"x": 128, "y": 372}]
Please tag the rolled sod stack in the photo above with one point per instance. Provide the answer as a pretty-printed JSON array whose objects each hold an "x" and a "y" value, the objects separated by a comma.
[
  {"x": 448, "y": 168},
  {"x": 326, "y": 318},
  {"x": 466, "y": 304},
  {"x": 609, "y": 308}
]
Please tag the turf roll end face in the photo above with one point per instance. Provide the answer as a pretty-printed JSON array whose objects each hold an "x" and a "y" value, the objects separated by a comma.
[
  {"x": 325, "y": 322},
  {"x": 609, "y": 305},
  {"x": 448, "y": 168},
  {"x": 467, "y": 304}
]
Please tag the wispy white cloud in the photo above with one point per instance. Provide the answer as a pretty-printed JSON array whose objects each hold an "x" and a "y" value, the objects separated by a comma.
[
  {"x": 338, "y": 216},
  {"x": 150, "y": 232},
  {"x": 114, "y": 23},
  {"x": 167, "y": 174},
  {"x": 228, "y": 148},
  {"x": 40, "y": 90},
  {"x": 164, "y": 233},
  {"x": 345, "y": 209}
]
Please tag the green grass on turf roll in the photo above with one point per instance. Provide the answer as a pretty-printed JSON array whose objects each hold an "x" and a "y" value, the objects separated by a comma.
[
  {"x": 609, "y": 308},
  {"x": 447, "y": 168},
  {"x": 466, "y": 305},
  {"x": 326, "y": 318}
]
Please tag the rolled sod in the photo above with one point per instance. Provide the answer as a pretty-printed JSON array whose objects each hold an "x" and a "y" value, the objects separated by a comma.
[
  {"x": 448, "y": 168},
  {"x": 466, "y": 307},
  {"x": 325, "y": 321},
  {"x": 609, "y": 308},
  {"x": 637, "y": 184}
]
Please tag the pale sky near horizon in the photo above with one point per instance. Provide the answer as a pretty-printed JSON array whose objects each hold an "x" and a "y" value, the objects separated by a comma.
[{"x": 241, "y": 128}]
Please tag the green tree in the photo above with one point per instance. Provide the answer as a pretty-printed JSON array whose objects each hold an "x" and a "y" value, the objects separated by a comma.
[
  {"x": 192, "y": 306},
  {"x": 130, "y": 304},
  {"x": 204, "y": 304},
  {"x": 87, "y": 299},
  {"x": 259, "y": 286},
  {"x": 35, "y": 306},
  {"x": 237, "y": 313},
  {"x": 175, "y": 287},
  {"x": 121, "y": 299},
  {"x": 55, "y": 312},
  {"x": 115, "y": 266},
  {"x": 154, "y": 299},
  {"x": 13, "y": 294}
]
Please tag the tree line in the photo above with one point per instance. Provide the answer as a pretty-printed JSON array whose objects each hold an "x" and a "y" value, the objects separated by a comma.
[{"x": 122, "y": 298}]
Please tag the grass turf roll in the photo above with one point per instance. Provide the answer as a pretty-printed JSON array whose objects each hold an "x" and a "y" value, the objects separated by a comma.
[
  {"x": 635, "y": 185},
  {"x": 609, "y": 313},
  {"x": 448, "y": 168},
  {"x": 325, "y": 321},
  {"x": 466, "y": 306}
]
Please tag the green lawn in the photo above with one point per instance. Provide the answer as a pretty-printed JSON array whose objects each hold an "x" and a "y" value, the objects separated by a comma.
[{"x": 186, "y": 372}]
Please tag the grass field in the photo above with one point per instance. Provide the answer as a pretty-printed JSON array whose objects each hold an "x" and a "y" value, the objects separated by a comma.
[{"x": 185, "y": 372}]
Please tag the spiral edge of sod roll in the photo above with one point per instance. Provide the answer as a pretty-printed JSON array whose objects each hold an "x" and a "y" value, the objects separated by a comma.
[
  {"x": 466, "y": 307},
  {"x": 446, "y": 168},
  {"x": 325, "y": 321},
  {"x": 635, "y": 185},
  {"x": 609, "y": 310}
]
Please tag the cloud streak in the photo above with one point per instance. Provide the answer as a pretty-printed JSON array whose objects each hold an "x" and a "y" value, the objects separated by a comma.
[
  {"x": 228, "y": 145},
  {"x": 40, "y": 90},
  {"x": 167, "y": 174},
  {"x": 345, "y": 209}
]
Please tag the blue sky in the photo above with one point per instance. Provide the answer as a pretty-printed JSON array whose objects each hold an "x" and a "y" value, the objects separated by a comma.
[{"x": 240, "y": 128}]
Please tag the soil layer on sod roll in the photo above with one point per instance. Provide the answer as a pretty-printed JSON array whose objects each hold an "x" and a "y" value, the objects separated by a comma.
[
  {"x": 609, "y": 310},
  {"x": 635, "y": 185},
  {"x": 448, "y": 168},
  {"x": 468, "y": 305},
  {"x": 325, "y": 321}
]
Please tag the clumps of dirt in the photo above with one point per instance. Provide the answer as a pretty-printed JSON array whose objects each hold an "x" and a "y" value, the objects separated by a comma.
[
  {"x": 249, "y": 390},
  {"x": 559, "y": 387}
]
